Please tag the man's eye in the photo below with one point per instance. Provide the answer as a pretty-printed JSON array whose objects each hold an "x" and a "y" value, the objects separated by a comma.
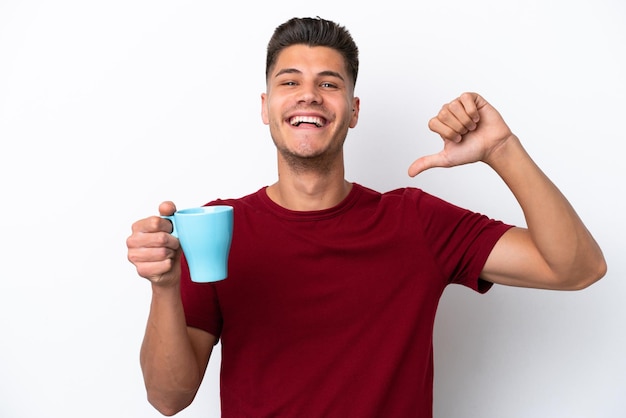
[
  {"x": 328, "y": 85},
  {"x": 289, "y": 83}
]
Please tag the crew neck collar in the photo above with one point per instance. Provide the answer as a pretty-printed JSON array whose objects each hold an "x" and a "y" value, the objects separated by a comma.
[{"x": 295, "y": 215}]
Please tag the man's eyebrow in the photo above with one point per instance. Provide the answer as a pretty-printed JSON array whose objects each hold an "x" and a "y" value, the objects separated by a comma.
[
  {"x": 325, "y": 73},
  {"x": 288, "y": 71},
  {"x": 329, "y": 73}
]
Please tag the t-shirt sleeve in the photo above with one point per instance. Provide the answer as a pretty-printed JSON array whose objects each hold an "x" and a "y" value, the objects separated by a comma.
[
  {"x": 461, "y": 240},
  {"x": 200, "y": 303}
]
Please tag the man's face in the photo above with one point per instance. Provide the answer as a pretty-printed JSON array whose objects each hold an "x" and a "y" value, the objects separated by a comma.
[{"x": 310, "y": 104}]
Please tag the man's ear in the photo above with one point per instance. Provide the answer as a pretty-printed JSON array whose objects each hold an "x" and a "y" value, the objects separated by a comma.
[
  {"x": 264, "y": 115},
  {"x": 356, "y": 105}
]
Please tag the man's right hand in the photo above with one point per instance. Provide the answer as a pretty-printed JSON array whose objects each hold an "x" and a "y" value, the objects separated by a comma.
[{"x": 153, "y": 250}]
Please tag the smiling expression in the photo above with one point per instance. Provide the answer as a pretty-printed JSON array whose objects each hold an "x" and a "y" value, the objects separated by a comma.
[{"x": 310, "y": 104}]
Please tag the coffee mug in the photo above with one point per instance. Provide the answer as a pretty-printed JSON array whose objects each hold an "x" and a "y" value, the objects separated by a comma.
[{"x": 205, "y": 234}]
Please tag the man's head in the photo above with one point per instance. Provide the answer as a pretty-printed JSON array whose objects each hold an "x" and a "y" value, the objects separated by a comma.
[
  {"x": 314, "y": 32},
  {"x": 309, "y": 104}
]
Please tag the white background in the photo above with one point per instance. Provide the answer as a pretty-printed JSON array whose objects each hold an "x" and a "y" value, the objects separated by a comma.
[{"x": 108, "y": 108}]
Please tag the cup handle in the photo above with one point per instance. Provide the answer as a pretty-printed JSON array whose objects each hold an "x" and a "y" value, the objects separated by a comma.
[{"x": 171, "y": 219}]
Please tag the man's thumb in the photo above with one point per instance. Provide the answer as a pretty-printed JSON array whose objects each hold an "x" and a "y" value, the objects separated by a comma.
[
  {"x": 167, "y": 208},
  {"x": 424, "y": 163}
]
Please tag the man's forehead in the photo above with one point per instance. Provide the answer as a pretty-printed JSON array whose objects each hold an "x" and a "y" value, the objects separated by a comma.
[{"x": 320, "y": 59}]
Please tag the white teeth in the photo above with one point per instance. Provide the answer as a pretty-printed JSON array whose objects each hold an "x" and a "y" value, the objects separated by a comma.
[{"x": 297, "y": 120}]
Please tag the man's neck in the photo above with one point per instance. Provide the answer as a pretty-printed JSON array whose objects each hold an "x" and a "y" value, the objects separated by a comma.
[{"x": 309, "y": 191}]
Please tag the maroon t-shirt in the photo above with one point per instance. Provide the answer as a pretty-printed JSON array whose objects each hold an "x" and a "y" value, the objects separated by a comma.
[{"x": 330, "y": 313}]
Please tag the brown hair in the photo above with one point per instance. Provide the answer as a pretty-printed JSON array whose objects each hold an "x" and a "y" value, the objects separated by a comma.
[{"x": 313, "y": 32}]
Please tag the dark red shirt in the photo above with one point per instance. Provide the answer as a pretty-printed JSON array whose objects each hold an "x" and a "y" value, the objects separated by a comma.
[{"x": 330, "y": 313}]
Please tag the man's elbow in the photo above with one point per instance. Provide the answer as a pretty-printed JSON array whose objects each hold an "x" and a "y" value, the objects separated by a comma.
[
  {"x": 582, "y": 280},
  {"x": 168, "y": 407}
]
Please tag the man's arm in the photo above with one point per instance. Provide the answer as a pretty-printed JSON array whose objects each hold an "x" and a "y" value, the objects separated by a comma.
[
  {"x": 555, "y": 251},
  {"x": 174, "y": 357}
]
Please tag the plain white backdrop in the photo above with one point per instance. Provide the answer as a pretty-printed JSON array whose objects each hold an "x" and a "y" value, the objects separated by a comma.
[{"x": 109, "y": 108}]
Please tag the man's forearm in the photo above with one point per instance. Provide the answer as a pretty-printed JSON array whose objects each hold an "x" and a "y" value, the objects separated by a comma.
[{"x": 170, "y": 367}]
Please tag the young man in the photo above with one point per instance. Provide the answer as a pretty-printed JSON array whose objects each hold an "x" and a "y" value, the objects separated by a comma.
[{"x": 329, "y": 306}]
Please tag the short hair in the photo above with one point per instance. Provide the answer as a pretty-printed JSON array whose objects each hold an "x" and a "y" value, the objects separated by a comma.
[{"x": 313, "y": 32}]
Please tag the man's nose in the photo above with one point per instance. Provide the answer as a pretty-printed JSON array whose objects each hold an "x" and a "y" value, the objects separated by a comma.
[{"x": 309, "y": 93}]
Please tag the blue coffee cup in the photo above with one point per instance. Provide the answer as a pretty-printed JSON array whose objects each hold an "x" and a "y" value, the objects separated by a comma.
[{"x": 205, "y": 234}]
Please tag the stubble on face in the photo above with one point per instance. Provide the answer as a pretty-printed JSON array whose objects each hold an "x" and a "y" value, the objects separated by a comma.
[
  {"x": 306, "y": 158},
  {"x": 309, "y": 82}
]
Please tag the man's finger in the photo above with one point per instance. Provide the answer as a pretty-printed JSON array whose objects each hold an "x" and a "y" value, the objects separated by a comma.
[
  {"x": 167, "y": 208},
  {"x": 426, "y": 162},
  {"x": 470, "y": 102},
  {"x": 444, "y": 130},
  {"x": 462, "y": 112}
]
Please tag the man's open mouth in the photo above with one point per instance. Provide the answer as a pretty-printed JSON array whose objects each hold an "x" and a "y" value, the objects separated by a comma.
[{"x": 311, "y": 120}]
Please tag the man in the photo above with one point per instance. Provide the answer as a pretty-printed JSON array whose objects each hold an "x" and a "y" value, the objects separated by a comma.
[{"x": 329, "y": 306}]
